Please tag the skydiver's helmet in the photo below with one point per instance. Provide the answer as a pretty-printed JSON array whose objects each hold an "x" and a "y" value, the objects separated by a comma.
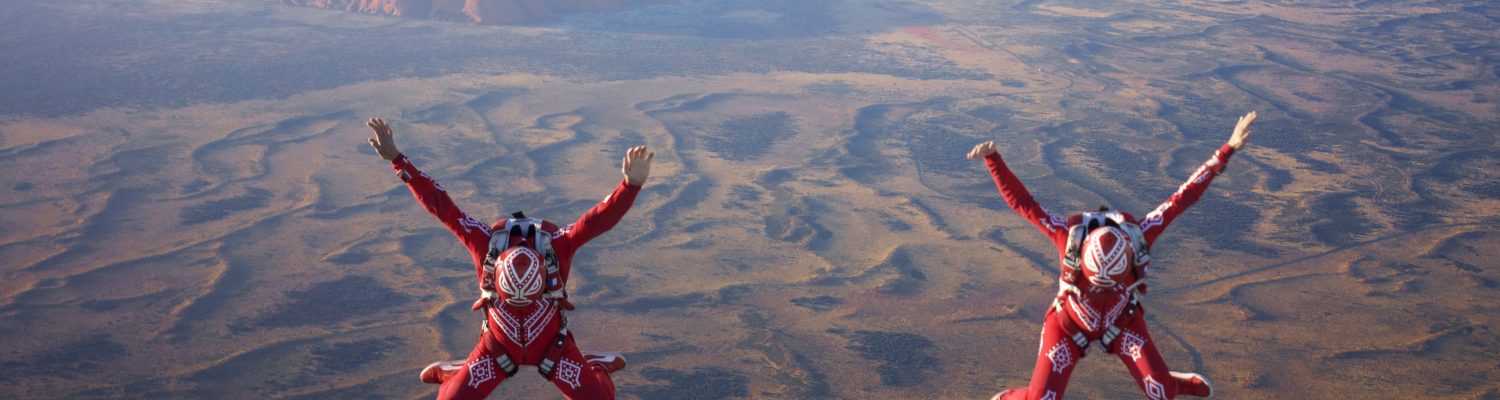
[
  {"x": 521, "y": 260},
  {"x": 1108, "y": 255},
  {"x": 520, "y": 275}
]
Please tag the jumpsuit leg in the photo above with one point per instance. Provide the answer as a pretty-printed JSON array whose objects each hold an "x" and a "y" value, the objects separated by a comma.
[
  {"x": 1135, "y": 347},
  {"x": 480, "y": 376},
  {"x": 1054, "y": 363},
  {"x": 579, "y": 380}
]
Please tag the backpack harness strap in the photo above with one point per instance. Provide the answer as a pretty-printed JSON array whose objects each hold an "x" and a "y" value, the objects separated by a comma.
[
  {"x": 543, "y": 241},
  {"x": 506, "y": 364},
  {"x": 549, "y": 361}
]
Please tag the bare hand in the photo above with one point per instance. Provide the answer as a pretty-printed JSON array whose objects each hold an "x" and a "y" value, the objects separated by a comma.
[
  {"x": 637, "y": 165},
  {"x": 982, "y": 150},
  {"x": 384, "y": 145},
  {"x": 1241, "y": 131}
]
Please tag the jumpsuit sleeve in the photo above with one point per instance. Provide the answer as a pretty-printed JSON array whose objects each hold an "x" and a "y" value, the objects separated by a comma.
[
  {"x": 1187, "y": 194},
  {"x": 1019, "y": 199},
  {"x": 475, "y": 235},
  {"x": 594, "y": 223},
  {"x": 602, "y": 217}
]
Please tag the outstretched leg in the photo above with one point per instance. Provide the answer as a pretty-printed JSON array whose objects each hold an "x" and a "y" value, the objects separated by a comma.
[
  {"x": 580, "y": 379},
  {"x": 1138, "y": 351},
  {"x": 479, "y": 375},
  {"x": 1054, "y": 363}
]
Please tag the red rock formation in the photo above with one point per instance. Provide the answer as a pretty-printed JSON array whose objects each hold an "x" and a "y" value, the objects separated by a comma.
[{"x": 494, "y": 12}]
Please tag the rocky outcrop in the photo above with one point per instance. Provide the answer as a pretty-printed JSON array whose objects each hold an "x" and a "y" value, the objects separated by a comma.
[{"x": 493, "y": 12}]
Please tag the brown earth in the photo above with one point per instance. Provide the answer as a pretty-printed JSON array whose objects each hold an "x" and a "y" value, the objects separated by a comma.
[{"x": 189, "y": 210}]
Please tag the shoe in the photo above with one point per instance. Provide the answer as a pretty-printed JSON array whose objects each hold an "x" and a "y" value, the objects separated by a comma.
[
  {"x": 1193, "y": 385},
  {"x": 610, "y": 361},
  {"x": 1001, "y": 395},
  {"x": 437, "y": 372}
]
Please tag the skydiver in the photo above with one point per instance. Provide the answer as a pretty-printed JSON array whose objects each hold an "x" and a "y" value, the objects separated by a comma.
[
  {"x": 522, "y": 266},
  {"x": 1104, "y": 257}
]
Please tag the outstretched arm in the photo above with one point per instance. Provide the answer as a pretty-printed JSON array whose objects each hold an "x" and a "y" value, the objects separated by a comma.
[
  {"x": 473, "y": 234},
  {"x": 636, "y": 167},
  {"x": 1156, "y": 222},
  {"x": 1016, "y": 195}
]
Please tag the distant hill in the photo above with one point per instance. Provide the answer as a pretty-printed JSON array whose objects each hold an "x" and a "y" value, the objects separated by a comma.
[{"x": 491, "y": 12}]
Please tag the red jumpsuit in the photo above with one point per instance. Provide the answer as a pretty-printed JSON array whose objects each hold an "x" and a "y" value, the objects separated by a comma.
[
  {"x": 1087, "y": 314},
  {"x": 522, "y": 333}
]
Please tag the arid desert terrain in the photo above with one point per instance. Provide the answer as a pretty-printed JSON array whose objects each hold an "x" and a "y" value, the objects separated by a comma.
[{"x": 190, "y": 210}]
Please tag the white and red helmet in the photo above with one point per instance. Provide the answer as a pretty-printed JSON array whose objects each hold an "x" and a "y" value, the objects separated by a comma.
[
  {"x": 1108, "y": 255},
  {"x": 522, "y": 265},
  {"x": 520, "y": 276}
]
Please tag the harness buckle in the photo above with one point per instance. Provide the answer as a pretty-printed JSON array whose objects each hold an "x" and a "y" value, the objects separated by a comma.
[{"x": 554, "y": 353}]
